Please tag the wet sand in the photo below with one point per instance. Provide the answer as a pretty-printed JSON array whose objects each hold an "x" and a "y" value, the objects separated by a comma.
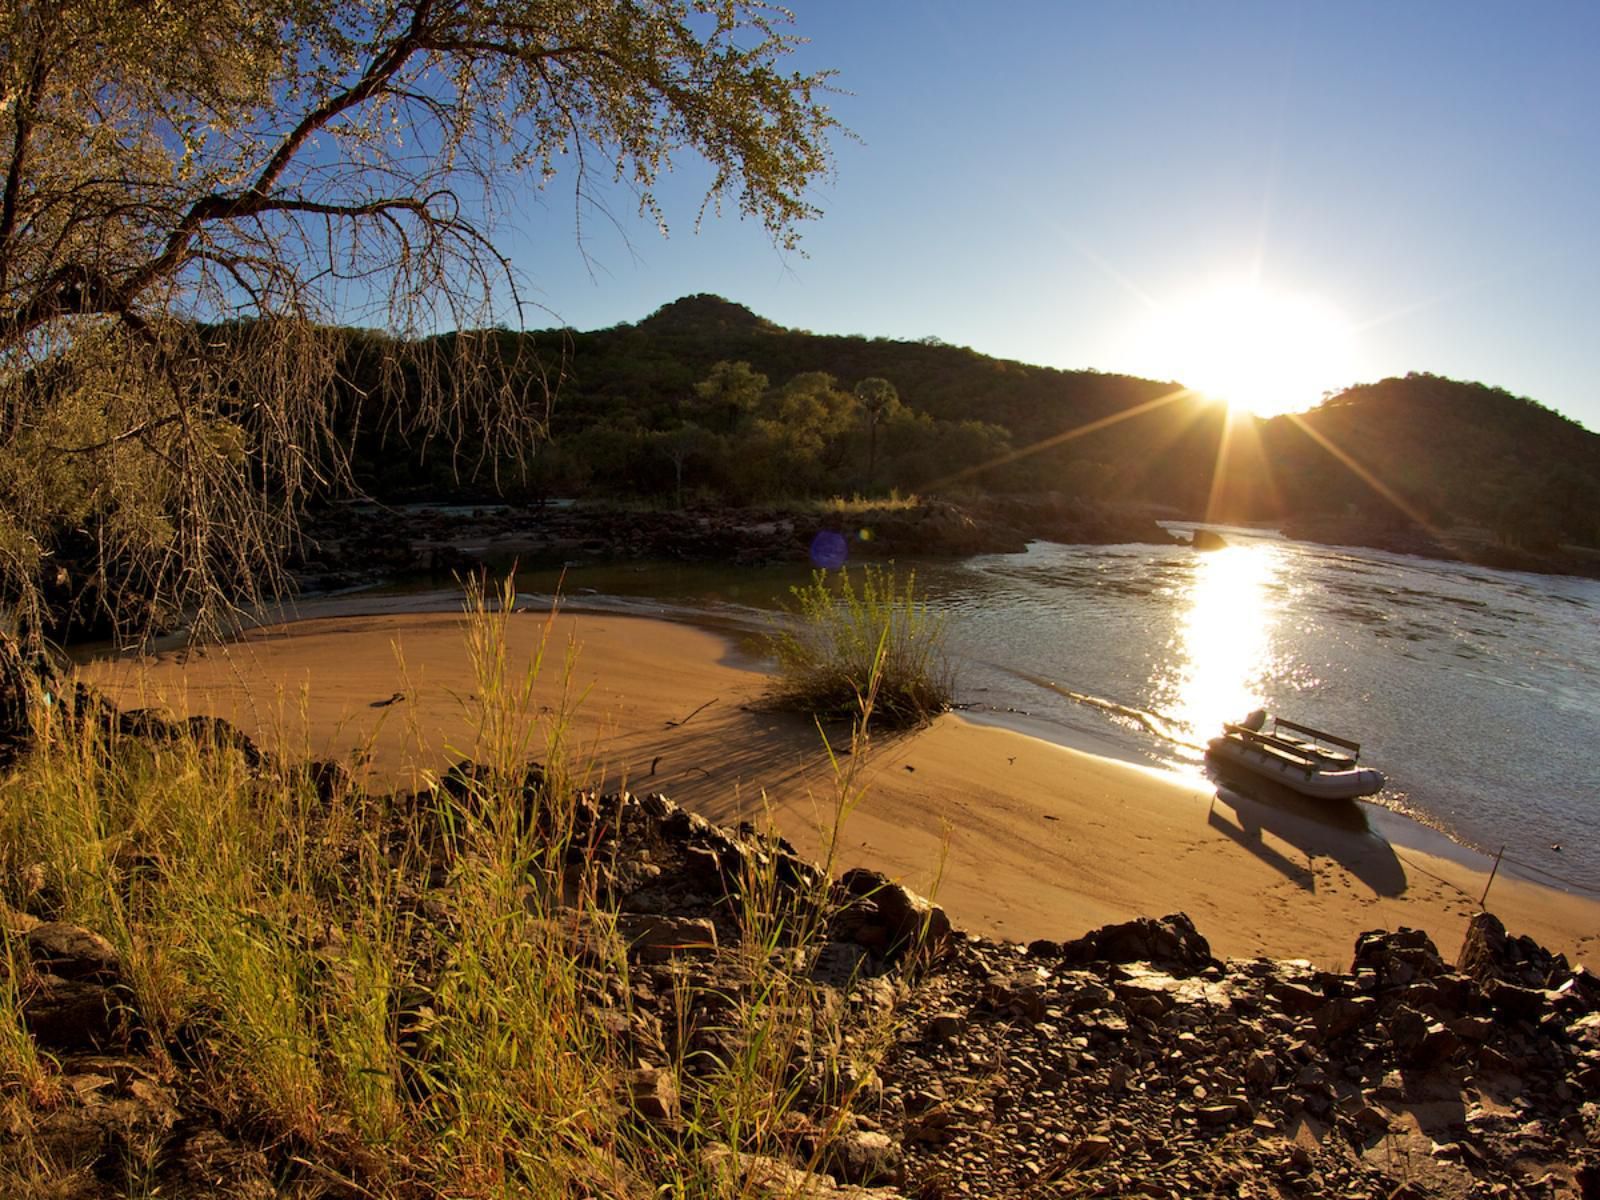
[{"x": 1026, "y": 838}]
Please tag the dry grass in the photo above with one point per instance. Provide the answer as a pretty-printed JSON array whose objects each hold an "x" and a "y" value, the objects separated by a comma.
[
  {"x": 843, "y": 638},
  {"x": 386, "y": 987}
]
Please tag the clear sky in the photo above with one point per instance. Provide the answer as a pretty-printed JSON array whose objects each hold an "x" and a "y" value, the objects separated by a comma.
[{"x": 1077, "y": 185}]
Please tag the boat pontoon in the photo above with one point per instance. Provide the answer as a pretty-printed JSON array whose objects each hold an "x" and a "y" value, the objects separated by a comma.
[{"x": 1300, "y": 758}]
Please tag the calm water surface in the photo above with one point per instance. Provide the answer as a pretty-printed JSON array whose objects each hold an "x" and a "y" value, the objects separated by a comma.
[{"x": 1476, "y": 692}]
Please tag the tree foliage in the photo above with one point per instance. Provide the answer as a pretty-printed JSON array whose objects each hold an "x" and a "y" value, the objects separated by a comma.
[{"x": 192, "y": 192}]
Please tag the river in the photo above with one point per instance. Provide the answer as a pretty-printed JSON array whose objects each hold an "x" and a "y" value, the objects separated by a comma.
[{"x": 1476, "y": 692}]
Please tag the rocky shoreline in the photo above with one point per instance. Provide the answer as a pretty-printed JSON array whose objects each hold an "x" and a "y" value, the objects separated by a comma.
[
  {"x": 1471, "y": 548},
  {"x": 1125, "y": 1061},
  {"x": 349, "y": 544}
]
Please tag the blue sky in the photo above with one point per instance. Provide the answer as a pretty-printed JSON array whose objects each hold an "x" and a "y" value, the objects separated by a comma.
[{"x": 1033, "y": 180}]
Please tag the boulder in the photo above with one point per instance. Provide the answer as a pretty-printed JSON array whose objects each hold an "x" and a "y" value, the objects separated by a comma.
[
  {"x": 1398, "y": 958},
  {"x": 72, "y": 952},
  {"x": 71, "y": 1014},
  {"x": 1489, "y": 953},
  {"x": 888, "y": 918},
  {"x": 651, "y": 938},
  {"x": 1172, "y": 942}
]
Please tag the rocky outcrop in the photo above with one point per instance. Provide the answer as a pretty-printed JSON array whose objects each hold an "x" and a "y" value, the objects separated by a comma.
[
  {"x": 1123, "y": 1060},
  {"x": 347, "y": 544}
]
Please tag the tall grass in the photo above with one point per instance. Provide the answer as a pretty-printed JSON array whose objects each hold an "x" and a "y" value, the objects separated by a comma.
[
  {"x": 851, "y": 629},
  {"x": 388, "y": 993},
  {"x": 857, "y": 503}
]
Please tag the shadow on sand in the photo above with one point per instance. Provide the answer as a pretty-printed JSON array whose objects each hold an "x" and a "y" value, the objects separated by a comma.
[{"x": 1331, "y": 829}]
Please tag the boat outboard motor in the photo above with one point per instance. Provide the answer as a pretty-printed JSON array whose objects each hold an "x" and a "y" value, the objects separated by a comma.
[{"x": 1255, "y": 721}]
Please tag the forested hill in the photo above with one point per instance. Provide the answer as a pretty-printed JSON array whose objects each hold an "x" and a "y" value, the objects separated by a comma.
[
  {"x": 705, "y": 399},
  {"x": 1450, "y": 454}
]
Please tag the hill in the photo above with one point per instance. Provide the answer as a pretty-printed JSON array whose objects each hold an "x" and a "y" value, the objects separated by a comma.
[{"x": 706, "y": 401}]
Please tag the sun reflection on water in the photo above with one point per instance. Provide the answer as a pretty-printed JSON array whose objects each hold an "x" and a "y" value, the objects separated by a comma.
[{"x": 1221, "y": 654}]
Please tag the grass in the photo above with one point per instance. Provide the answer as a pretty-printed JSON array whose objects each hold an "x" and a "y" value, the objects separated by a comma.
[
  {"x": 857, "y": 503},
  {"x": 384, "y": 994},
  {"x": 843, "y": 636}
]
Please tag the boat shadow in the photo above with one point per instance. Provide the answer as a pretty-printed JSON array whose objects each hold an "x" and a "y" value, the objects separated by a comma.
[{"x": 1337, "y": 830}]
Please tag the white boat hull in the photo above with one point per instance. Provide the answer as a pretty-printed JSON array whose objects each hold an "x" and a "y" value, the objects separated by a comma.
[{"x": 1296, "y": 774}]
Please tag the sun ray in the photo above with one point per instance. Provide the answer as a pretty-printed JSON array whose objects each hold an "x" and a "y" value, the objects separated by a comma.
[
  {"x": 1057, "y": 439},
  {"x": 1240, "y": 440},
  {"x": 1366, "y": 476}
]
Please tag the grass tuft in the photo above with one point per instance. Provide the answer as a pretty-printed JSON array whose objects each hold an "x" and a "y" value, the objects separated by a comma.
[{"x": 842, "y": 636}]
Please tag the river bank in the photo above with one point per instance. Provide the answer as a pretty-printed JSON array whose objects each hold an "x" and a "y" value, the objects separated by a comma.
[
  {"x": 357, "y": 543},
  {"x": 1043, "y": 841}
]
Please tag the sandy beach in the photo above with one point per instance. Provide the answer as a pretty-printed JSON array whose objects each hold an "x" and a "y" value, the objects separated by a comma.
[{"x": 1027, "y": 839}]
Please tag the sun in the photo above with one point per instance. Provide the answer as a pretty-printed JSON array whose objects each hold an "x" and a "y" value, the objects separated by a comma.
[{"x": 1263, "y": 352}]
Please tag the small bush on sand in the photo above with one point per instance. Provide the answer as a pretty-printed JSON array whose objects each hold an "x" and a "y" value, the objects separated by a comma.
[{"x": 844, "y": 632}]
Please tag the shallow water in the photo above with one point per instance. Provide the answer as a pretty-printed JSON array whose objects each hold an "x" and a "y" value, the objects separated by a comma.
[{"x": 1476, "y": 692}]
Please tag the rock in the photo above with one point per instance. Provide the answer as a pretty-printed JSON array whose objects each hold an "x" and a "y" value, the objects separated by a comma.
[
  {"x": 889, "y": 918},
  {"x": 1206, "y": 539},
  {"x": 862, "y": 1157},
  {"x": 1488, "y": 954},
  {"x": 1399, "y": 957},
  {"x": 1339, "y": 1016},
  {"x": 1515, "y": 1003},
  {"x": 945, "y": 1026},
  {"x": 72, "y": 952},
  {"x": 1092, "y": 1149},
  {"x": 1021, "y": 994},
  {"x": 653, "y": 1094},
  {"x": 652, "y": 938},
  {"x": 1171, "y": 942},
  {"x": 758, "y": 1177},
  {"x": 213, "y": 1166},
  {"x": 72, "y": 1014},
  {"x": 1261, "y": 1069}
]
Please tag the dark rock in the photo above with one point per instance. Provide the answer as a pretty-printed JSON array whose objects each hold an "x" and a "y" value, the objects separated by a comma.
[
  {"x": 862, "y": 1157},
  {"x": 651, "y": 938},
  {"x": 1171, "y": 942},
  {"x": 1339, "y": 1016},
  {"x": 72, "y": 952},
  {"x": 888, "y": 918},
  {"x": 1398, "y": 958},
  {"x": 1515, "y": 1003},
  {"x": 1488, "y": 954},
  {"x": 72, "y": 1014}
]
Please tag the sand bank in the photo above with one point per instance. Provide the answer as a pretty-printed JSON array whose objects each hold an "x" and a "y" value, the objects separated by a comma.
[{"x": 1036, "y": 840}]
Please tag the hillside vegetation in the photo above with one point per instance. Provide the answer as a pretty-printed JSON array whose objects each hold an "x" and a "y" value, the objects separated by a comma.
[{"x": 706, "y": 401}]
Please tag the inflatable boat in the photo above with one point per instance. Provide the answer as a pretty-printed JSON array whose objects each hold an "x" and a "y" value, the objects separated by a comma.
[{"x": 1305, "y": 760}]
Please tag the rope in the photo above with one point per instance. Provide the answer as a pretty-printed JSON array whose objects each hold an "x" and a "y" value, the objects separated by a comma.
[{"x": 1587, "y": 888}]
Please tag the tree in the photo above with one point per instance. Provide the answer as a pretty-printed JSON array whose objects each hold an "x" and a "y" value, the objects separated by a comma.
[
  {"x": 191, "y": 193},
  {"x": 878, "y": 399},
  {"x": 727, "y": 395},
  {"x": 678, "y": 446}
]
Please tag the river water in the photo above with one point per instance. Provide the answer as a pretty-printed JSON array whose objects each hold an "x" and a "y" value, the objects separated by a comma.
[{"x": 1476, "y": 692}]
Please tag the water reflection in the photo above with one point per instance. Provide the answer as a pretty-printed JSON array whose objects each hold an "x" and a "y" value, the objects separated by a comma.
[{"x": 1219, "y": 658}]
